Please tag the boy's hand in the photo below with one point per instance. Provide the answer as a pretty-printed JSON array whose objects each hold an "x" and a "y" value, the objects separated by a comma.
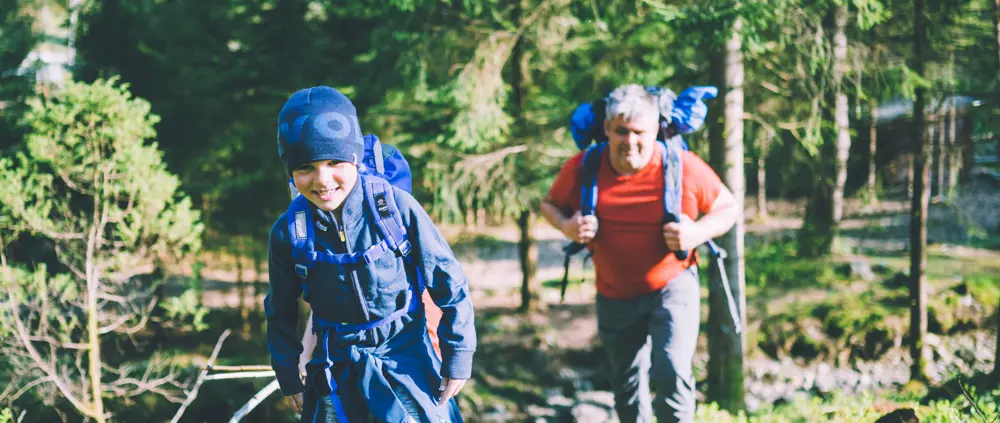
[
  {"x": 295, "y": 401},
  {"x": 449, "y": 388},
  {"x": 580, "y": 228}
]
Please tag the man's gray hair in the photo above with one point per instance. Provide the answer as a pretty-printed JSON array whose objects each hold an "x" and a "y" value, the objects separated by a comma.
[{"x": 631, "y": 102}]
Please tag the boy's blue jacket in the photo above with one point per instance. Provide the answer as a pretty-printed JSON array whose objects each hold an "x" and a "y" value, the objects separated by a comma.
[{"x": 333, "y": 291}]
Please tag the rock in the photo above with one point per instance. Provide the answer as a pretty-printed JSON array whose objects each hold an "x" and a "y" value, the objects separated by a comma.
[
  {"x": 560, "y": 401},
  {"x": 602, "y": 399},
  {"x": 902, "y": 415},
  {"x": 537, "y": 412},
  {"x": 863, "y": 270},
  {"x": 588, "y": 413},
  {"x": 496, "y": 413}
]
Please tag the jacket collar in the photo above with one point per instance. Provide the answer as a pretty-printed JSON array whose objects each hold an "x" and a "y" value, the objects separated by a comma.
[{"x": 353, "y": 207}]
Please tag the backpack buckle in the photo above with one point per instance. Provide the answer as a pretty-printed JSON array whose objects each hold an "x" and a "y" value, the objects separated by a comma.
[
  {"x": 302, "y": 271},
  {"x": 403, "y": 249}
]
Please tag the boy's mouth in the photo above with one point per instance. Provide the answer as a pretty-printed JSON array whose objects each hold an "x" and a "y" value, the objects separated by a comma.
[{"x": 326, "y": 194}]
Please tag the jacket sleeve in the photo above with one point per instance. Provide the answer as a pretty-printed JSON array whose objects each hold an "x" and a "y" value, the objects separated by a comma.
[
  {"x": 281, "y": 309},
  {"x": 448, "y": 287}
]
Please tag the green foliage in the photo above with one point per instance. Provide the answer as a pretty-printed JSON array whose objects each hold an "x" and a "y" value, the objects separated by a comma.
[
  {"x": 87, "y": 154},
  {"x": 984, "y": 288},
  {"x": 778, "y": 266},
  {"x": 840, "y": 408},
  {"x": 6, "y": 416},
  {"x": 90, "y": 182},
  {"x": 186, "y": 308}
]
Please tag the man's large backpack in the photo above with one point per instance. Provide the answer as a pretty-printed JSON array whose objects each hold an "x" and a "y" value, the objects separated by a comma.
[
  {"x": 679, "y": 115},
  {"x": 382, "y": 167}
]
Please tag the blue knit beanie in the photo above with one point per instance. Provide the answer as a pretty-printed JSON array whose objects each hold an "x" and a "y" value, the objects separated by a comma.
[{"x": 318, "y": 123}]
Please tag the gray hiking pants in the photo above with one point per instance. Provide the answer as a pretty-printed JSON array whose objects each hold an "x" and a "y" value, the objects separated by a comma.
[{"x": 662, "y": 328}]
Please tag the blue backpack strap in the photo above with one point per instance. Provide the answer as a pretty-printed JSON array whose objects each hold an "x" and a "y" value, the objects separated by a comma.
[
  {"x": 382, "y": 204},
  {"x": 673, "y": 185},
  {"x": 588, "y": 178},
  {"x": 300, "y": 235},
  {"x": 588, "y": 202}
]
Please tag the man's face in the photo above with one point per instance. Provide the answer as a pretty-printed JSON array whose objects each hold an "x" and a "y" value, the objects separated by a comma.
[
  {"x": 325, "y": 183},
  {"x": 631, "y": 142}
]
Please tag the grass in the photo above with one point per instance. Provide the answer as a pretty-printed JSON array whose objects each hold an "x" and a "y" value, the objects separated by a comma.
[{"x": 840, "y": 408}]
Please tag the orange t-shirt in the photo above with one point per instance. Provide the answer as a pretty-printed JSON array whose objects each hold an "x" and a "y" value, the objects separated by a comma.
[{"x": 630, "y": 256}]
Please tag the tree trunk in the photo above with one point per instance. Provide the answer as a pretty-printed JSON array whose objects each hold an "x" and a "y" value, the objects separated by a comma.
[
  {"x": 931, "y": 128},
  {"x": 241, "y": 286},
  {"x": 841, "y": 112},
  {"x": 969, "y": 160},
  {"x": 93, "y": 333},
  {"x": 765, "y": 142},
  {"x": 996, "y": 30},
  {"x": 872, "y": 150},
  {"x": 726, "y": 385},
  {"x": 910, "y": 163},
  {"x": 954, "y": 156},
  {"x": 527, "y": 249},
  {"x": 528, "y": 255},
  {"x": 942, "y": 156},
  {"x": 825, "y": 208},
  {"x": 918, "y": 209},
  {"x": 996, "y": 359}
]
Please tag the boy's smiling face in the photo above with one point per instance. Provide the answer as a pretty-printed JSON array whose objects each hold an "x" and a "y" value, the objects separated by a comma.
[{"x": 325, "y": 183}]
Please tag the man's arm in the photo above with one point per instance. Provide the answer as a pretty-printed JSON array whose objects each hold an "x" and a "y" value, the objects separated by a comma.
[
  {"x": 578, "y": 228},
  {"x": 720, "y": 218}
]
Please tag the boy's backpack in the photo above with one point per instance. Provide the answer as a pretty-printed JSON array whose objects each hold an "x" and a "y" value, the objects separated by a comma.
[
  {"x": 381, "y": 168},
  {"x": 681, "y": 114}
]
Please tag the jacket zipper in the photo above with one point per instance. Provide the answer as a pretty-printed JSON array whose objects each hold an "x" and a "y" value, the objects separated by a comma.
[{"x": 353, "y": 274}]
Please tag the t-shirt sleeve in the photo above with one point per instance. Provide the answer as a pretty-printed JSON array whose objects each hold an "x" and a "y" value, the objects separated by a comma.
[
  {"x": 565, "y": 191},
  {"x": 707, "y": 184}
]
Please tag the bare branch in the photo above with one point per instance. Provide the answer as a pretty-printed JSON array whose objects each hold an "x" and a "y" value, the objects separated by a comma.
[
  {"x": 254, "y": 401},
  {"x": 57, "y": 343},
  {"x": 141, "y": 386},
  {"x": 29, "y": 386},
  {"x": 201, "y": 378},
  {"x": 489, "y": 159},
  {"x": 975, "y": 406},
  {"x": 261, "y": 367},
  {"x": 76, "y": 271},
  {"x": 240, "y": 375},
  {"x": 50, "y": 371}
]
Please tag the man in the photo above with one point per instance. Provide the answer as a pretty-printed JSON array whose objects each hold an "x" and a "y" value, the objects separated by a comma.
[{"x": 647, "y": 300}]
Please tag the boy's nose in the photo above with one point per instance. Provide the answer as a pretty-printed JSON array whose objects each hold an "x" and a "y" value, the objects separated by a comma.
[{"x": 325, "y": 173}]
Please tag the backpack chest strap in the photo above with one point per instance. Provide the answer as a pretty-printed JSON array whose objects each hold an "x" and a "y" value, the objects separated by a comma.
[{"x": 367, "y": 257}]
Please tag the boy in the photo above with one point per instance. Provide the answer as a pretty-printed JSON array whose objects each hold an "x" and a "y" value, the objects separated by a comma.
[{"x": 373, "y": 359}]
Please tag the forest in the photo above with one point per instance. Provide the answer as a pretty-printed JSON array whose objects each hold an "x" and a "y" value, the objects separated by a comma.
[{"x": 139, "y": 179}]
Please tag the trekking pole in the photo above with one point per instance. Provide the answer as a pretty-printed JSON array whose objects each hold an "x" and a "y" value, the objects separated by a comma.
[{"x": 720, "y": 255}]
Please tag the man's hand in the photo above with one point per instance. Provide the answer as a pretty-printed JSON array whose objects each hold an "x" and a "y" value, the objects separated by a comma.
[
  {"x": 580, "y": 228},
  {"x": 682, "y": 236},
  {"x": 449, "y": 388},
  {"x": 295, "y": 401}
]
